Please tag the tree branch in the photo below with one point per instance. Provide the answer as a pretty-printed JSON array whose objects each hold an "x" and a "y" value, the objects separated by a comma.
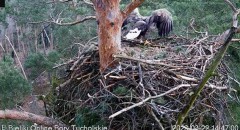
[
  {"x": 88, "y": 2},
  {"x": 75, "y": 22},
  {"x": 217, "y": 59},
  {"x": 26, "y": 116},
  {"x": 61, "y": 1},
  {"x": 235, "y": 13},
  {"x": 130, "y": 7},
  {"x": 160, "y": 95},
  {"x": 15, "y": 53},
  {"x": 231, "y": 5}
]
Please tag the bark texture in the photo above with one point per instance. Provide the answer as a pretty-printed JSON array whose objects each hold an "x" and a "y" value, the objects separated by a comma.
[
  {"x": 26, "y": 116},
  {"x": 110, "y": 18}
]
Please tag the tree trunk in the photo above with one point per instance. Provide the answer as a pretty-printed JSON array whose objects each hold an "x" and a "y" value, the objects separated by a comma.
[
  {"x": 39, "y": 119},
  {"x": 52, "y": 44},
  {"x": 44, "y": 44},
  {"x": 109, "y": 20},
  {"x": 36, "y": 40}
]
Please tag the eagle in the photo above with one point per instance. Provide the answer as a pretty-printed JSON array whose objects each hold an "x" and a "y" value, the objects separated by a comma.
[
  {"x": 161, "y": 18},
  {"x": 133, "y": 33}
]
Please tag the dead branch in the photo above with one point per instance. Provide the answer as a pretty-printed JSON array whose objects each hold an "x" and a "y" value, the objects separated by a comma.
[
  {"x": 147, "y": 99},
  {"x": 130, "y": 7},
  {"x": 235, "y": 13},
  {"x": 213, "y": 66},
  {"x": 234, "y": 9},
  {"x": 88, "y": 2},
  {"x": 65, "y": 63},
  {"x": 142, "y": 76},
  {"x": 235, "y": 40},
  {"x": 26, "y": 116},
  {"x": 23, "y": 71},
  {"x": 2, "y": 47},
  {"x": 60, "y": 1},
  {"x": 157, "y": 120},
  {"x": 192, "y": 26},
  {"x": 151, "y": 62},
  {"x": 75, "y": 22}
]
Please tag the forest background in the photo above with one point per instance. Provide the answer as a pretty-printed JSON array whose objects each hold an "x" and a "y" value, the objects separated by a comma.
[{"x": 40, "y": 43}]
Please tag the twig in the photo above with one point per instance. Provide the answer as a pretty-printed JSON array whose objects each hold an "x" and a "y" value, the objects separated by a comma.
[
  {"x": 156, "y": 119},
  {"x": 61, "y": 1},
  {"x": 231, "y": 5},
  {"x": 191, "y": 25},
  {"x": 24, "y": 74},
  {"x": 151, "y": 62},
  {"x": 235, "y": 40},
  {"x": 75, "y": 22},
  {"x": 65, "y": 63},
  {"x": 217, "y": 59},
  {"x": 88, "y": 2},
  {"x": 147, "y": 99},
  {"x": 2, "y": 46}
]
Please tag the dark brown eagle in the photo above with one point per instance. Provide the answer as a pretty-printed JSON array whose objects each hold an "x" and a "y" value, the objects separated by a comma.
[{"x": 161, "y": 18}]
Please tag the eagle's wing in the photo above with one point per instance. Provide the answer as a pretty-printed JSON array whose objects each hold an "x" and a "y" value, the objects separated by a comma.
[
  {"x": 132, "y": 18},
  {"x": 163, "y": 20}
]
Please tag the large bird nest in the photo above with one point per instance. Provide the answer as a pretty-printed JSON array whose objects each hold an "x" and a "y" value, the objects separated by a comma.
[{"x": 165, "y": 72}]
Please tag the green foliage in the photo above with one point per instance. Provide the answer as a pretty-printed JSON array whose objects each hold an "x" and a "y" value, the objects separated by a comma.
[
  {"x": 29, "y": 10},
  {"x": 233, "y": 61},
  {"x": 13, "y": 86},
  {"x": 121, "y": 90},
  {"x": 87, "y": 117},
  {"x": 52, "y": 58},
  {"x": 212, "y": 16},
  {"x": 37, "y": 63},
  {"x": 75, "y": 34},
  {"x": 235, "y": 113},
  {"x": 3, "y": 16}
]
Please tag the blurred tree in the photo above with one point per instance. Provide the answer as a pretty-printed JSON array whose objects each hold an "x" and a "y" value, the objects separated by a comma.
[{"x": 14, "y": 87}]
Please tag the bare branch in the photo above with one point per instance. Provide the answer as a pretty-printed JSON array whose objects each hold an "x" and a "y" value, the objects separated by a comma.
[
  {"x": 130, "y": 7},
  {"x": 157, "y": 120},
  {"x": 235, "y": 19},
  {"x": 75, "y": 22},
  {"x": 60, "y": 1},
  {"x": 88, "y": 2},
  {"x": 26, "y": 116},
  {"x": 225, "y": 38},
  {"x": 2, "y": 46},
  {"x": 151, "y": 62},
  {"x": 37, "y": 22},
  {"x": 235, "y": 13},
  {"x": 24, "y": 74},
  {"x": 231, "y": 5},
  {"x": 160, "y": 95},
  {"x": 235, "y": 40}
]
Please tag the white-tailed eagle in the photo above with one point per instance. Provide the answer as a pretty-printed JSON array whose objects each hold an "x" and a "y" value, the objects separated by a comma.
[{"x": 161, "y": 18}]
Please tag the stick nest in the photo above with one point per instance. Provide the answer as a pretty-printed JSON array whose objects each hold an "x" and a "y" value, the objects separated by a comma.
[{"x": 166, "y": 71}]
